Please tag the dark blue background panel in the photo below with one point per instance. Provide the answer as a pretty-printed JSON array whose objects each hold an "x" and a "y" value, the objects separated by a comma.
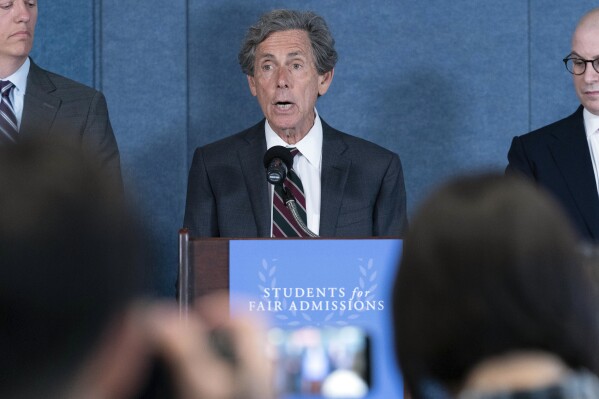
[
  {"x": 65, "y": 40},
  {"x": 446, "y": 85},
  {"x": 145, "y": 81},
  {"x": 432, "y": 81}
]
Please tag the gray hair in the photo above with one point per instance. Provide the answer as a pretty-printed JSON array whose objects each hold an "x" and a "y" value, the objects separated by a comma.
[{"x": 323, "y": 44}]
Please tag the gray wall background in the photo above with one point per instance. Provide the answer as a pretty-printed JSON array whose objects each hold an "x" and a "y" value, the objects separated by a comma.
[{"x": 446, "y": 85}]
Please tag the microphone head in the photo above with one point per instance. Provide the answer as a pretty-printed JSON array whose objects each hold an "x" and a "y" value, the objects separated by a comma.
[
  {"x": 277, "y": 161},
  {"x": 278, "y": 151}
]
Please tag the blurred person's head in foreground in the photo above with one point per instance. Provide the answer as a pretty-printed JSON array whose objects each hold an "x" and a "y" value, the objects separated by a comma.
[
  {"x": 67, "y": 265},
  {"x": 71, "y": 325},
  {"x": 491, "y": 295}
]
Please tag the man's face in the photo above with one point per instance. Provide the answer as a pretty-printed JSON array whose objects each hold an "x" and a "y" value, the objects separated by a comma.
[
  {"x": 585, "y": 44},
  {"x": 17, "y": 26},
  {"x": 287, "y": 83}
]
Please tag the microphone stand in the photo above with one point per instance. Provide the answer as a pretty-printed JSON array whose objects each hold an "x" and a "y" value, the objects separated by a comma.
[{"x": 292, "y": 205}]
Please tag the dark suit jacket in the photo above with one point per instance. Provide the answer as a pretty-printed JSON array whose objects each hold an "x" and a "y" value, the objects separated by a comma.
[
  {"x": 57, "y": 106},
  {"x": 363, "y": 191},
  {"x": 558, "y": 157}
]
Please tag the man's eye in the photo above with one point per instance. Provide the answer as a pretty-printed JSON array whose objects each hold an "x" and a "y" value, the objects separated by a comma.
[
  {"x": 31, "y": 4},
  {"x": 297, "y": 66},
  {"x": 578, "y": 62},
  {"x": 266, "y": 67},
  {"x": 6, "y": 6}
]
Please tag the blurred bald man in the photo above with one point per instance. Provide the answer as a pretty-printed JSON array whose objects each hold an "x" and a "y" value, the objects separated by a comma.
[{"x": 563, "y": 156}]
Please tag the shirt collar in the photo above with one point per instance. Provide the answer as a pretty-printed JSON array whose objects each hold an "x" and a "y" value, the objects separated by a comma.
[
  {"x": 591, "y": 122},
  {"x": 310, "y": 146},
  {"x": 19, "y": 77}
]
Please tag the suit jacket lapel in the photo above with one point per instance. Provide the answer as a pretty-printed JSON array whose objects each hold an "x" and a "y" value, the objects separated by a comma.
[
  {"x": 250, "y": 159},
  {"x": 39, "y": 107},
  {"x": 335, "y": 169},
  {"x": 572, "y": 155}
]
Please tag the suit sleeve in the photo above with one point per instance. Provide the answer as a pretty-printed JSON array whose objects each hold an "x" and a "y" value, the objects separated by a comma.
[
  {"x": 390, "y": 216},
  {"x": 200, "y": 205},
  {"x": 518, "y": 162},
  {"x": 98, "y": 138}
]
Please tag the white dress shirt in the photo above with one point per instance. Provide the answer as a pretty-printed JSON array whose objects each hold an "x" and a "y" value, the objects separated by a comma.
[
  {"x": 17, "y": 95},
  {"x": 591, "y": 126},
  {"x": 307, "y": 165}
]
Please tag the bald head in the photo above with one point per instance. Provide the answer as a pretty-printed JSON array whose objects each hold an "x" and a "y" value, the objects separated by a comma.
[
  {"x": 589, "y": 20},
  {"x": 585, "y": 47}
]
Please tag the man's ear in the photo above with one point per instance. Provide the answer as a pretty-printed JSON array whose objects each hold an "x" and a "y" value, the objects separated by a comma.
[
  {"x": 252, "y": 84},
  {"x": 324, "y": 81}
]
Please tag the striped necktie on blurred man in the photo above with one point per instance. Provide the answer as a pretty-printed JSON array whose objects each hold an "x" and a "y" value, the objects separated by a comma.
[{"x": 8, "y": 120}]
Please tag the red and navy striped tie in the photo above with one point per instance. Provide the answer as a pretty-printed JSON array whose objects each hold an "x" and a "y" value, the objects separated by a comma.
[
  {"x": 283, "y": 223},
  {"x": 8, "y": 120}
]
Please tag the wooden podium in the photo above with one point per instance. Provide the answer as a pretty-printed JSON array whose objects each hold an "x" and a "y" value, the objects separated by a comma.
[
  {"x": 203, "y": 267},
  {"x": 302, "y": 282}
]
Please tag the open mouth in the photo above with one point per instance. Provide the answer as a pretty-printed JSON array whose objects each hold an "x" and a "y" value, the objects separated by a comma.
[{"x": 283, "y": 105}]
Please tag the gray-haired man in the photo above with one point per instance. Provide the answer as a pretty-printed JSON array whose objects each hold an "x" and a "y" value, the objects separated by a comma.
[{"x": 353, "y": 188}]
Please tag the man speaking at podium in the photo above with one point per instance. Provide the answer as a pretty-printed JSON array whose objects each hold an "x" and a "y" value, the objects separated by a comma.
[{"x": 344, "y": 186}]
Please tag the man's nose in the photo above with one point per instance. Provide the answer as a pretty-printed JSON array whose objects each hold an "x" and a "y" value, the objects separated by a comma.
[
  {"x": 283, "y": 78},
  {"x": 590, "y": 74},
  {"x": 22, "y": 11}
]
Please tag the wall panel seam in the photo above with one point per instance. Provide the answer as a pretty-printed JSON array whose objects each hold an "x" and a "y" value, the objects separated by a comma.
[
  {"x": 97, "y": 44},
  {"x": 187, "y": 99},
  {"x": 529, "y": 65}
]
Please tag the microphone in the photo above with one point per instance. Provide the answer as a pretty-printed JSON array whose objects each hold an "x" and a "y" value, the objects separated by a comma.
[{"x": 277, "y": 161}]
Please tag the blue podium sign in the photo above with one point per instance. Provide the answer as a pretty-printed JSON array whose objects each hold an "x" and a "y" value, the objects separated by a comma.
[{"x": 325, "y": 285}]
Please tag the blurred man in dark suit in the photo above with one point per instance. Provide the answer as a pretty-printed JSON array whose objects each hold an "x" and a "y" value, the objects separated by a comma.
[
  {"x": 36, "y": 101},
  {"x": 563, "y": 156},
  {"x": 352, "y": 187}
]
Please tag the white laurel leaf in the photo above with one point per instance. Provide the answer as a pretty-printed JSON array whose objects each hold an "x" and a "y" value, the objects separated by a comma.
[{"x": 373, "y": 276}]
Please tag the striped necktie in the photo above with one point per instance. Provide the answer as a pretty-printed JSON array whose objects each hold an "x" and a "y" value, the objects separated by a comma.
[
  {"x": 8, "y": 120},
  {"x": 283, "y": 223}
]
